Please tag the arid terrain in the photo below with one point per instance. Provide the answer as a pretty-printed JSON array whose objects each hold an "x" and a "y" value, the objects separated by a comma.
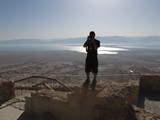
[{"x": 68, "y": 66}]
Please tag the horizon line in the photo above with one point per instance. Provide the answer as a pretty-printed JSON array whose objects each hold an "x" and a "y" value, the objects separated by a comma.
[{"x": 76, "y": 37}]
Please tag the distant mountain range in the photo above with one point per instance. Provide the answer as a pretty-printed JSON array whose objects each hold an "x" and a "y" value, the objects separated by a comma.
[{"x": 108, "y": 40}]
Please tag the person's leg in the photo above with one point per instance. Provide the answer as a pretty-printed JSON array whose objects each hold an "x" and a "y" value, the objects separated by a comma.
[
  {"x": 94, "y": 71},
  {"x": 88, "y": 70},
  {"x": 95, "y": 76},
  {"x": 94, "y": 81},
  {"x": 87, "y": 81},
  {"x": 88, "y": 75}
]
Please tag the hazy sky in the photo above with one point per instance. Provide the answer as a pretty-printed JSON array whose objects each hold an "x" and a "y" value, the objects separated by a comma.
[{"x": 49, "y": 19}]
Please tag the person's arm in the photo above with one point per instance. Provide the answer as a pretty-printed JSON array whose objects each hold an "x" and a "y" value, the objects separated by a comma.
[
  {"x": 86, "y": 43},
  {"x": 96, "y": 45}
]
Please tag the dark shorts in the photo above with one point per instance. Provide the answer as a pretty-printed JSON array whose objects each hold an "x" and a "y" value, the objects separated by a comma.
[{"x": 91, "y": 64}]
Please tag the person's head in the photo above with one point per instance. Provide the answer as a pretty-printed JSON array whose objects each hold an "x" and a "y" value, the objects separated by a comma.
[{"x": 92, "y": 34}]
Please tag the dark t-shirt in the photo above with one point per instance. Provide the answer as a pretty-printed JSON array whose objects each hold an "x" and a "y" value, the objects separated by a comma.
[{"x": 90, "y": 47}]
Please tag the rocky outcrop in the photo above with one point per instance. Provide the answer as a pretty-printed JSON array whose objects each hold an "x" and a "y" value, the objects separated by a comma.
[
  {"x": 136, "y": 113},
  {"x": 108, "y": 102},
  {"x": 6, "y": 91}
]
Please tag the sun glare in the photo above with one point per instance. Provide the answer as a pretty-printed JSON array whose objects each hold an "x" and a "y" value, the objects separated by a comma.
[{"x": 102, "y": 1}]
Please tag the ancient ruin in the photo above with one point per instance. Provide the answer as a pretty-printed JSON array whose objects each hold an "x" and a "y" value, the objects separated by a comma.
[
  {"x": 109, "y": 101},
  {"x": 6, "y": 91}
]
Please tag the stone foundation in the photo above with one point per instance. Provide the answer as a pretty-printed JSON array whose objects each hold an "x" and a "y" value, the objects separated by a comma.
[
  {"x": 110, "y": 101},
  {"x": 6, "y": 91},
  {"x": 150, "y": 83}
]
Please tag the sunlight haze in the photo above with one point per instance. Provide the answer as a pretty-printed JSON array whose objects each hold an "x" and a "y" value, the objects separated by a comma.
[{"x": 50, "y": 19}]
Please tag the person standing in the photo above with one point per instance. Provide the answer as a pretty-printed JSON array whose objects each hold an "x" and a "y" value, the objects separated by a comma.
[{"x": 91, "y": 64}]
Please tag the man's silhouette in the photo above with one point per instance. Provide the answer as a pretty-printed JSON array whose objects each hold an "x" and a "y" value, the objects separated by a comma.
[{"x": 91, "y": 65}]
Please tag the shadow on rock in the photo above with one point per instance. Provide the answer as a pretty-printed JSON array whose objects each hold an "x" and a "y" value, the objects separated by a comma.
[{"x": 43, "y": 116}]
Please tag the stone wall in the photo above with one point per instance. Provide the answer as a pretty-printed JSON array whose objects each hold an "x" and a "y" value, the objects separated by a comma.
[
  {"x": 109, "y": 102},
  {"x": 150, "y": 83},
  {"x": 6, "y": 91}
]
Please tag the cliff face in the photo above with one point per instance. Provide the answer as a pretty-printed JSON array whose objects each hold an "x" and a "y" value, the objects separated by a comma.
[
  {"x": 6, "y": 91},
  {"x": 109, "y": 102}
]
